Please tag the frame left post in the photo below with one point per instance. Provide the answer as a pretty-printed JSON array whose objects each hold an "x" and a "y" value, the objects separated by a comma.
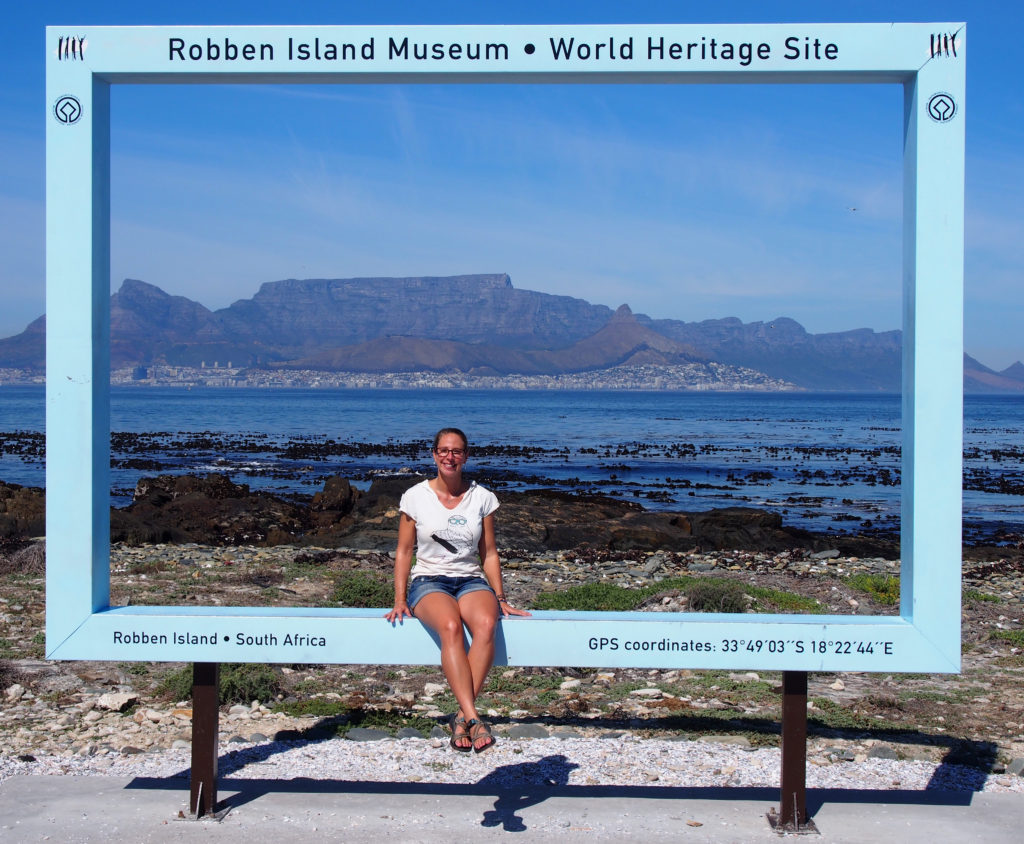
[{"x": 77, "y": 343}]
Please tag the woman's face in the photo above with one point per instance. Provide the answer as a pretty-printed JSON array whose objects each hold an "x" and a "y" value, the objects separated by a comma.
[{"x": 450, "y": 454}]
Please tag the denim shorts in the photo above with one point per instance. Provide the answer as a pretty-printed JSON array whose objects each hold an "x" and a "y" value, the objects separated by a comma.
[{"x": 454, "y": 586}]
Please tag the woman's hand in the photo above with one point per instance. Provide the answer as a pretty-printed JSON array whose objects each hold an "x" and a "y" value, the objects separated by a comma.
[
  {"x": 507, "y": 609},
  {"x": 400, "y": 610}
]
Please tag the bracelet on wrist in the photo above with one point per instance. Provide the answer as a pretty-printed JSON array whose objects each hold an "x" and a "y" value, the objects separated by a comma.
[{"x": 501, "y": 599}]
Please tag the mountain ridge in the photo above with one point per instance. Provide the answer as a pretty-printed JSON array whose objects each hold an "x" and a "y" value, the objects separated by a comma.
[{"x": 406, "y": 324}]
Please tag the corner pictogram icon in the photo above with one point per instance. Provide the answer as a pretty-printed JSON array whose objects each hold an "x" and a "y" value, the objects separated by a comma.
[
  {"x": 67, "y": 110},
  {"x": 941, "y": 107}
]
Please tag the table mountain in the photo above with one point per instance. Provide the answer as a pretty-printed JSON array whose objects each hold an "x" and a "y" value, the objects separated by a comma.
[{"x": 478, "y": 324}]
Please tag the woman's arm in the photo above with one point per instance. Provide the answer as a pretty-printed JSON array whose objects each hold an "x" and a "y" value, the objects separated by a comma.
[
  {"x": 403, "y": 564},
  {"x": 492, "y": 566}
]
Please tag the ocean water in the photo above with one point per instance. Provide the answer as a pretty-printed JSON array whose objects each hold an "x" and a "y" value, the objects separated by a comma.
[{"x": 826, "y": 461}]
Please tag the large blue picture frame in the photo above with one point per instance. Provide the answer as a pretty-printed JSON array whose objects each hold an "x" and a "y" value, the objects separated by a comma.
[{"x": 927, "y": 60}]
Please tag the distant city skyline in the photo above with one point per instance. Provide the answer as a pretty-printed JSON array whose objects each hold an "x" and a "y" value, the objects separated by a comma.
[{"x": 684, "y": 202}]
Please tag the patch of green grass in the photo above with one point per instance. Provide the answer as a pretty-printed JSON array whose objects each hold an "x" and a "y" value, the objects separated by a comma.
[
  {"x": 884, "y": 588},
  {"x": 310, "y": 686},
  {"x": 319, "y": 707},
  {"x": 720, "y": 683},
  {"x": 978, "y": 595},
  {"x": 827, "y": 713},
  {"x": 591, "y": 597},
  {"x": 777, "y": 600},
  {"x": 239, "y": 683},
  {"x": 956, "y": 695},
  {"x": 362, "y": 589},
  {"x": 30, "y": 581},
  {"x": 340, "y": 718},
  {"x": 244, "y": 683},
  {"x": 1014, "y": 637},
  {"x": 149, "y": 566},
  {"x": 705, "y": 594},
  {"x": 389, "y": 720},
  {"x": 619, "y": 690},
  {"x": 176, "y": 684},
  {"x": 547, "y": 697},
  {"x": 520, "y": 687},
  {"x": 682, "y": 582},
  {"x": 7, "y": 650},
  {"x": 715, "y": 594},
  {"x": 1010, "y": 661},
  {"x": 138, "y": 669}
]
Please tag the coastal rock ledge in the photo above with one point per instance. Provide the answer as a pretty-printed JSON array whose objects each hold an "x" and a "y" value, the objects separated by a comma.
[{"x": 213, "y": 510}]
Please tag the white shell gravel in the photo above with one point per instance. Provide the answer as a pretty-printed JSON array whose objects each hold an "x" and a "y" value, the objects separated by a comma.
[{"x": 625, "y": 760}]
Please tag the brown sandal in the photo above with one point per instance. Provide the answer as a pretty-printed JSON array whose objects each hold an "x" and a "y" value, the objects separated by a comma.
[
  {"x": 460, "y": 732},
  {"x": 479, "y": 731}
]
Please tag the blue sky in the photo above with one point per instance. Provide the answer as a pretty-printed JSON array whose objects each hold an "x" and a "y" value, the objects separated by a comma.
[{"x": 690, "y": 202}]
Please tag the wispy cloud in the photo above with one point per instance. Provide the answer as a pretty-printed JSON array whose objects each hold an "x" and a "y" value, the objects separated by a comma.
[{"x": 674, "y": 203}]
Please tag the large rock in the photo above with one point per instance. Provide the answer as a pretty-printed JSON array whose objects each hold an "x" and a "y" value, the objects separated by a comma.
[
  {"x": 338, "y": 496},
  {"x": 385, "y": 493},
  {"x": 214, "y": 510},
  {"x": 554, "y": 521},
  {"x": 745, "y": 528},
  {"x": 211, "y": 510}
]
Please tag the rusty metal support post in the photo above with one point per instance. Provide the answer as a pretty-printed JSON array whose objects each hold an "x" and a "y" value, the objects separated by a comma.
[
  {"x": 792, "y": 815},
  {"x": 205, "y": 731}
]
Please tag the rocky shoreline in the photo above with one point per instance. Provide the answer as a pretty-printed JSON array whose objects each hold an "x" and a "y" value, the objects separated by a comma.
[
  {"x": 214, "y": 510},
  {"x": 106, "y": 712},
  {"x": 208, "y": 541}
]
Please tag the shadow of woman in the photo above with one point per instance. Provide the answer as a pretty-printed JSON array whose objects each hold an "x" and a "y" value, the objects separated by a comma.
[{"x": 520, "y": 786}]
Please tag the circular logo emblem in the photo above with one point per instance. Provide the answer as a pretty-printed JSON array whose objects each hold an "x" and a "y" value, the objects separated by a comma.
[
  {"x": 941, "y": 107},
  {"x": 457, "y": 520},
  {"x": 67, "y": 110}
]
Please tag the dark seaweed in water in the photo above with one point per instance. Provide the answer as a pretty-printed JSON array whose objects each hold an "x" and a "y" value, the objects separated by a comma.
[
  {"x": 824, "y": 462},
  {"x": 662, "y": 475}
]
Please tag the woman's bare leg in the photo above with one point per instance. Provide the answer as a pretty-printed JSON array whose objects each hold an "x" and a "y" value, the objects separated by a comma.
[
  {"x": 441, "y": 614},
  {"x": 479, "y": 611}
]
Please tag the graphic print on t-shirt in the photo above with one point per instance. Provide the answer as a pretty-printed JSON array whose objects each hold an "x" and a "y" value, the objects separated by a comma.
[{"x": 457, "y": 537}]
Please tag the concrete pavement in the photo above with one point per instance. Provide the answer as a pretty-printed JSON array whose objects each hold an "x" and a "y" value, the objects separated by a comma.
[{"x": 87, "y": 809}]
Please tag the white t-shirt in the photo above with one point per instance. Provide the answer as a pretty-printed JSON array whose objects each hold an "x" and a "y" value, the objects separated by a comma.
[{"x": 447, "y": 541}]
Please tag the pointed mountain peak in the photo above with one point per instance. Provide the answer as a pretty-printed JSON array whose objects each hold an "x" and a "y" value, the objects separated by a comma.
[
  {"x": 623, "y": 314},
  {"x": 973, "y": 363},
  {"x": 135, "y": 287},
  {"x": 1015, "y": 371}
]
